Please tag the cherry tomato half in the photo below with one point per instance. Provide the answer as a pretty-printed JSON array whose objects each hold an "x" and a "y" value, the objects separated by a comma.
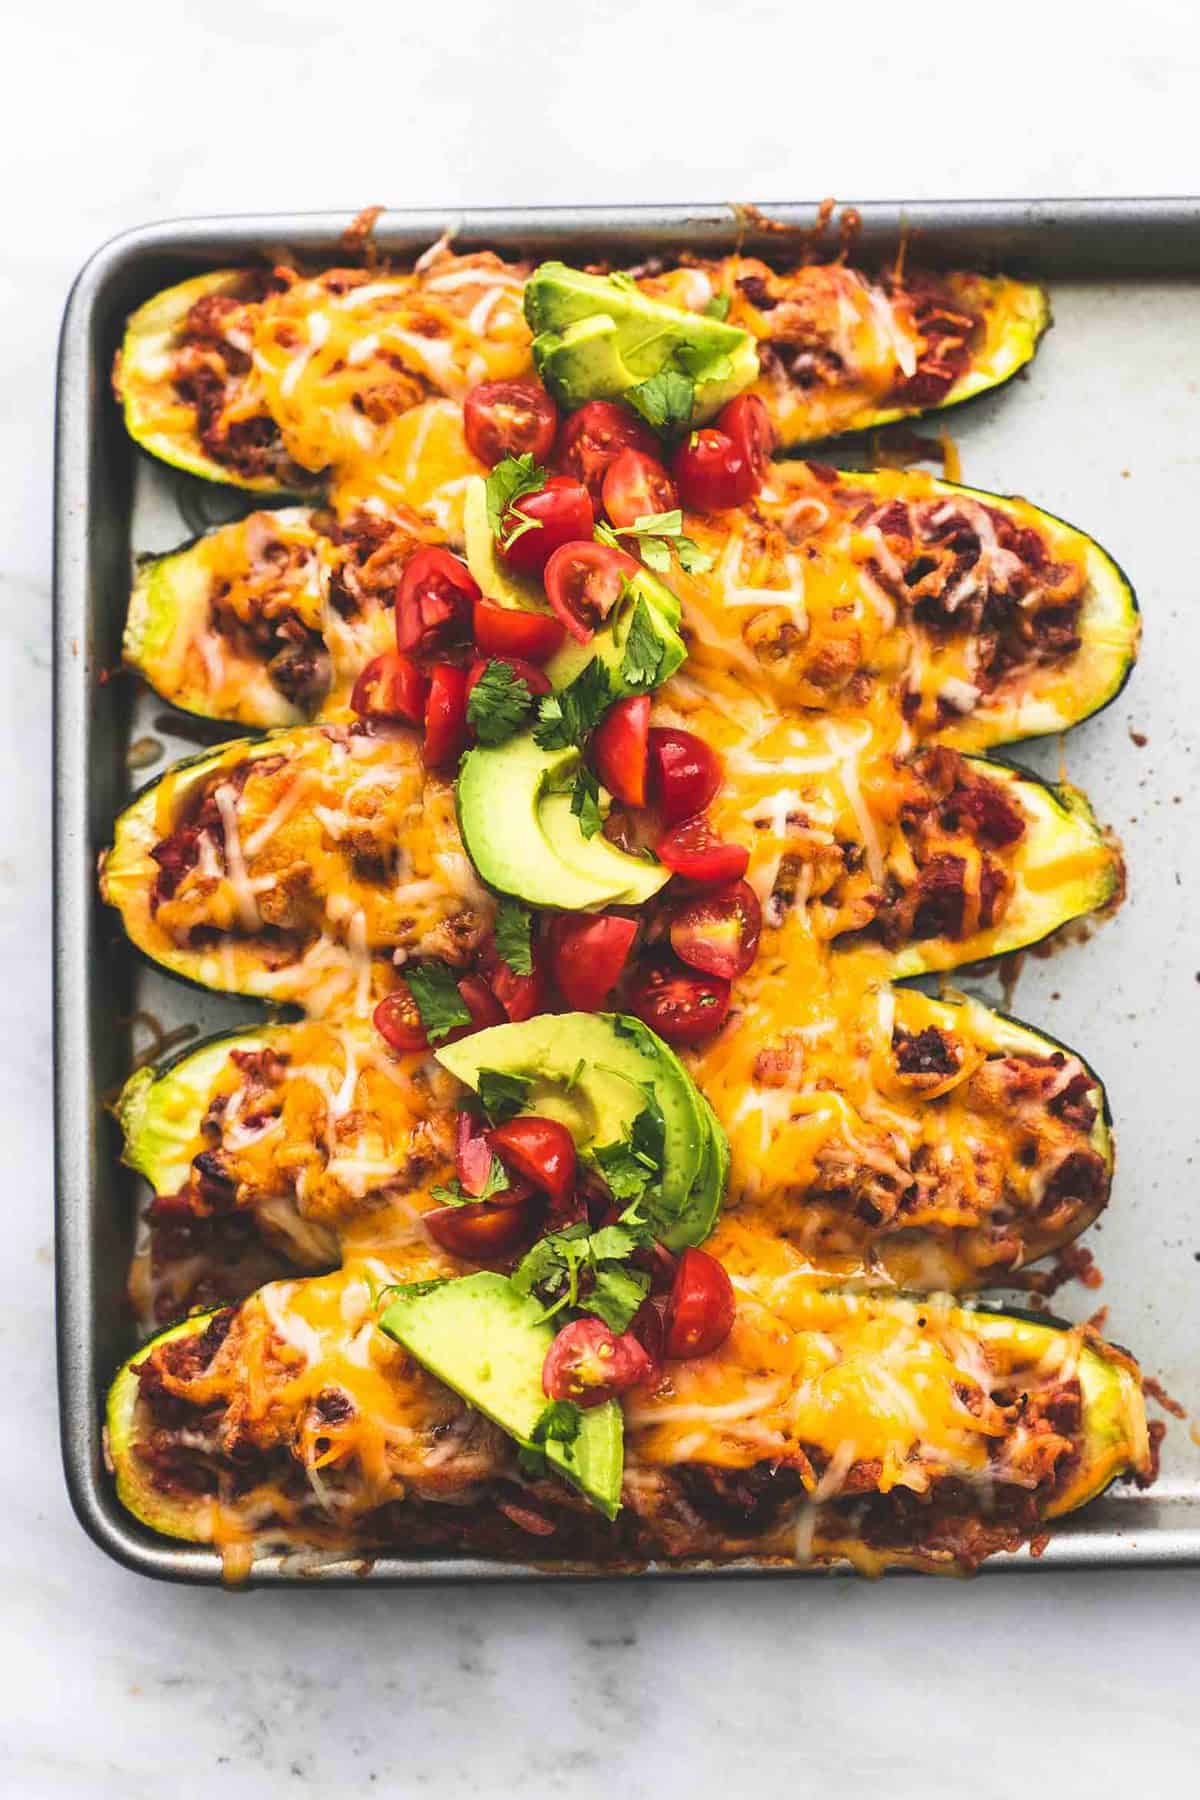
[
  {"x": 637, "y": 486},
  {"x": 684, "y": 773},
  {"x": 589, "y": 1364},
  {"x": 536, "y": 524},
  {"x": 483, "y": 1006},
  {"x": 682, "y": 1006},
  {"x": 718, "y": 932},
  {"x": 521, "y": 996},
  {"x": 712, "y": 473},
  {"x": 541, "y": 1150},
  {"x": 694, "y": 851},
  {"x": 584, "y": 580},
  {"x": 506, "y": 631},
  {"x": 398, "y": 1020},
  {"x": 481, "y": 1231},
  {"x": 434, "y": 601},
  {"x": 700, "y": 1306},
  {"x": 587, "y": 955},
  {"x": 747, "y": 423},
  {"x": 594, "y": 437},
  {"x": 509, "y": 418},
  {"x": 619, "y": 749},
  {"x": 445, "y": 716},
  {"x": 646, "y": 1326},
  {"x": 390, "y": 687}
]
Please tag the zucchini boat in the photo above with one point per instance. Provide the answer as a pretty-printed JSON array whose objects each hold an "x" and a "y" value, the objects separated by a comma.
[
  {"x": 273, "y": 381},
  {"x": 982, "y": 619},
  {"x": 892, "y": 1138},
  {"x": 829, "y": 1425},
  {"x": 297, "y": 867}
]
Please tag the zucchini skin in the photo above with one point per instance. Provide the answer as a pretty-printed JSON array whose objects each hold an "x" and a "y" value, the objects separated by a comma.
[{"x": 1115, "y": 1442}]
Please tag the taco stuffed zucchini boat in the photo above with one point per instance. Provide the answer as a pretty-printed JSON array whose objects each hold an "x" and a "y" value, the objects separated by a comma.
[
  {"x": 826, "y": 1426},
  {"x": 274, "y": 380}
]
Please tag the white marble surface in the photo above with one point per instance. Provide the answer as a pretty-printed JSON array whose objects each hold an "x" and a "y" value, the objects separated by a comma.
[{"x": 113, "y": 1687}]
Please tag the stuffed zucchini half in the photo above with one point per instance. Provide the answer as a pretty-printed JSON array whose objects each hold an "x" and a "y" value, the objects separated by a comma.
[
  {"x": 828, "y": 1425},
  {"x": 981, "y": 619},
  {"x": 899, "y": 1140},
  {"x": 296, "y": 867},
  {"x": 332, "y": 1140}
]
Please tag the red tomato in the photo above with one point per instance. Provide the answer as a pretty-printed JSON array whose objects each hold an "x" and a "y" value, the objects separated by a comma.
[
  {"x": 398, "y": 1021},
  {"x": 509, "y": 418},
  {"x": 694, "y": 851},
  {"x": 619, "y": 749},
  {"x": 541, "y": 1150},
  {"x": 398, "y": 1018},
  {"x": 481, "y": 1232},
  {"x": 718, "y": 932},
  {"x": 536, "y": 524},
  {"x": 584, "y": 581},
  {"x": 445, "y": 716},
  {"x": 536, "y": 680},
  {"x": 684, "y": 1008},
  {"x": 684, "y": 773},
  {"x": 636, "y": 486},
  {"x": 646, "y": 1326},
  {"x": 594, "y": 437},
  {"x": 587, "y": 1363},
  {"x": 747, "y": 423},
  {"x": 587, "y": 953},
  {"x": 521, "y": 996},
  {"x": 700, "y": 1306},
  {"x": 434, "y": 600},
  {"x": 390, "y": 687},
  {"x": 712, "y": 473},
  {"x": 504, "y": 631}
]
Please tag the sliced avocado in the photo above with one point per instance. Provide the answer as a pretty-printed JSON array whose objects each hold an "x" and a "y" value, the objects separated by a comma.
[
  {"x": 524, "y": 840},
  {"x": 597, "y": 336},
  {"x": 488, "y": 1342},
  {"x": 505, "y": 588},
  {"x": 594, "y": 1073}
]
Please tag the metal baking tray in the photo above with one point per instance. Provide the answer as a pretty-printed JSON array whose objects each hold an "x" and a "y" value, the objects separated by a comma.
[{"x": 1102, "y": 431}]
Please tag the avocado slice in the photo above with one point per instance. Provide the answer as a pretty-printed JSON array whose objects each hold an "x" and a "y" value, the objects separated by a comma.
[
  {"x": 503, "y": 587},
  {"x": 594, "y": 1073},
  {"x": 524, "y": 840},
  {"x": 597, "y": 336},
  {"x": 488, "y": 1342}
]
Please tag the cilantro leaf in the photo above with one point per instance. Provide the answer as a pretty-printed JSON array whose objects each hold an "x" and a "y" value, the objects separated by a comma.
[
  {"x": 692, "y": 559},
  {"x": 514, "y": 925},
  {"x": 656, "y": 555},
  {"x": 626, "y": 1177},
  {"x": 571, "y": 715},
  {"x": 652, "y": 533},
  {"x": 664, "y": 524},
  {"x": 502, "y": 1095},
  {"x": 616, "y": 1294},
  {"x": 665, "y": 401},
  {"x": 718, "y": 307},
  {"x": 551, "y": 1269},
  {"x": 499, "y": 703},
  {"x": 559, "y": 1422},
  {"x": 644, "y": 649},
  {"x": 453, "y": 1193},
  {"x": 434, "y": 987},
  {"x": 511, "y": 477},
  {"x": 701, "y": 365},
  {"x": 634, "y": 1164},
  {"x": 585, "y": 802}
]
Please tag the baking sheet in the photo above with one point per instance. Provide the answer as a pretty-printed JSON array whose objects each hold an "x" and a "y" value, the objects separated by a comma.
[{"x": 1101, "y": 431}]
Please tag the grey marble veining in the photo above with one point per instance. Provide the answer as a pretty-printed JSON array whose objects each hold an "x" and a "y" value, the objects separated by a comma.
[{"x": 113, "y": 1687}]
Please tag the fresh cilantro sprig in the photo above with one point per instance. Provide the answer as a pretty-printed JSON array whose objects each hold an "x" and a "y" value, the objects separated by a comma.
[
  {"x": 585, "y": 801},
  {"x": 657, "y": 535},
  {"x": 633, "y": 1165},
  {"x": 559, "y": 1422},
  {"x": 571, "y": 715},
  {"x": 434, "y": 988},
  {"x": 502, "y": 1095},
  {"x": 666, "y": 401},
  {"x": 513, "y": 934},
  {"x": 642, "y": 656},
  {"x": 512, "y": 477},
  {"x": 500, "y": 703},
  {"x": 588, "y": 1271}
]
